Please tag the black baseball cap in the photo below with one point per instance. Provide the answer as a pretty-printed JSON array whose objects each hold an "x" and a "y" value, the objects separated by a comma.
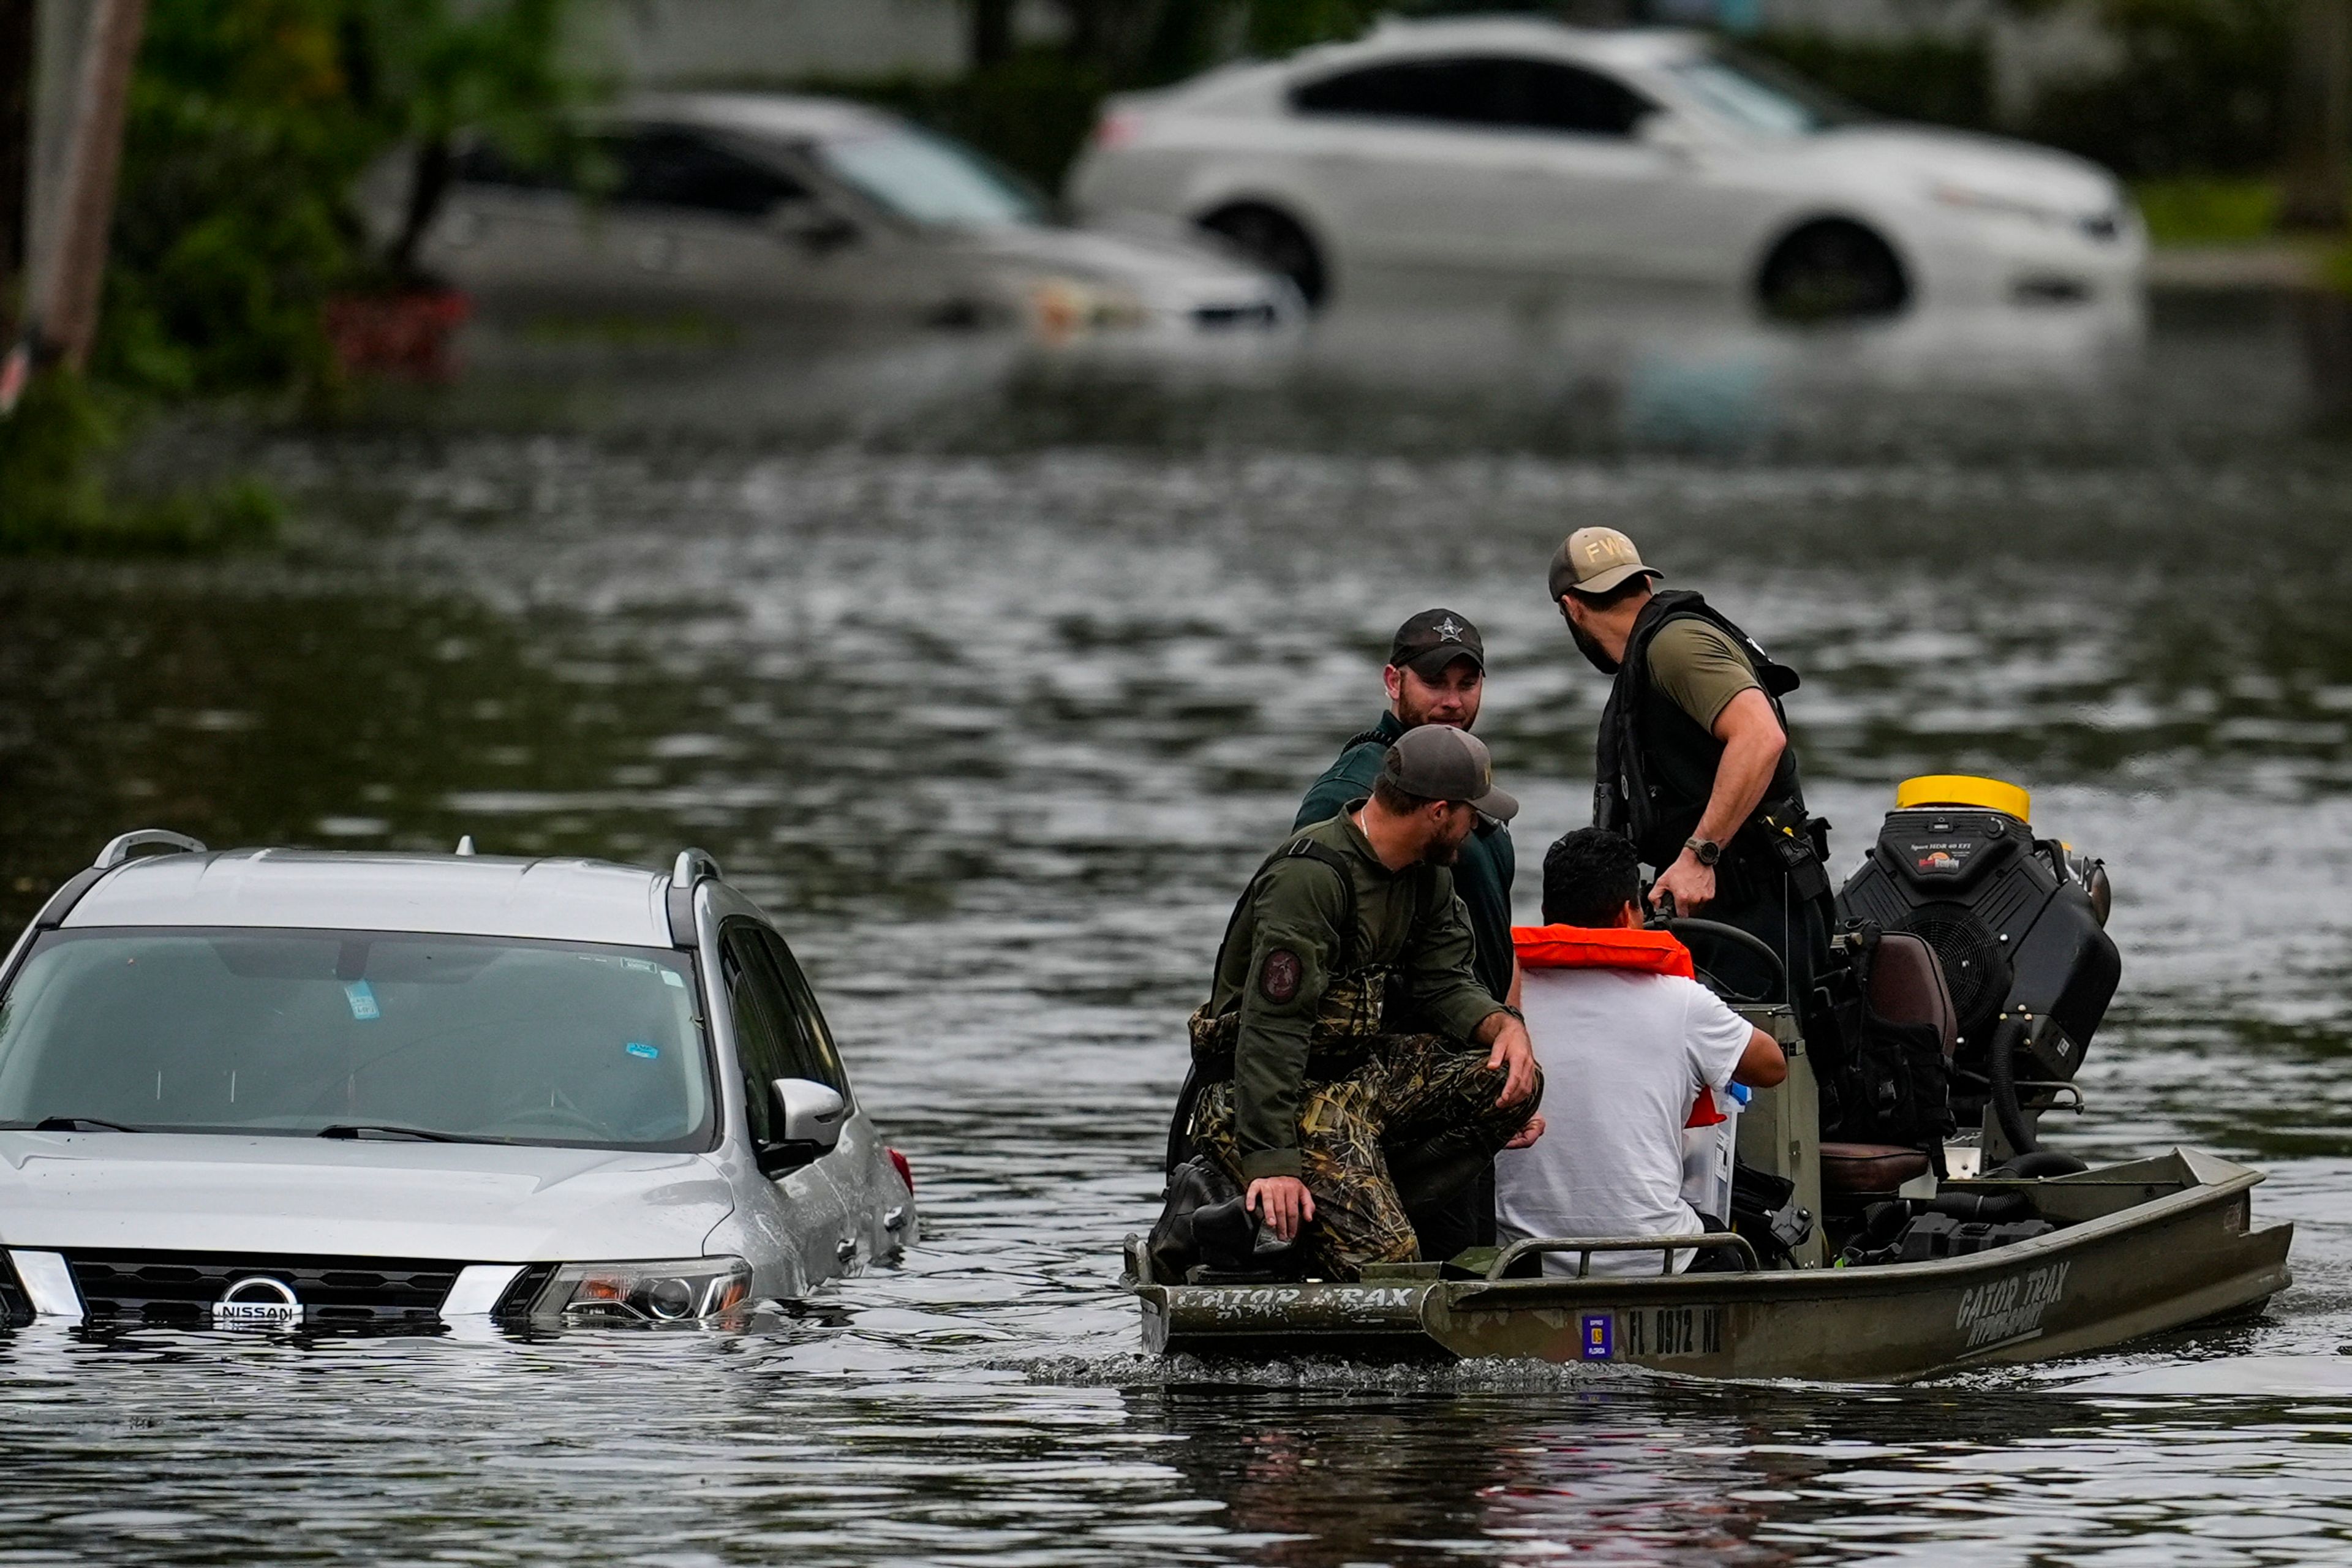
[
  {"x": 1434, "y": 639},
  {"x": 1438, "y": 761}
]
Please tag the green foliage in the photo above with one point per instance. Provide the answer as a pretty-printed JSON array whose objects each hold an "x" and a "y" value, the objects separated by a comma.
[
  {"x": 49, "y": 490},
  {"x": 53, "y": 499},
  {"x": 241, "y": 140},
  {"x": 2202, "y": 89},
  {"x": 249, "y": 122},
  {"x": 1941, "y": 81},
  {"x": 1278, "y": 27},
  {"x": 1031, "y": 113},
  {"x": 2201, "y": 210},
  {"x": 432, "y": 68}
]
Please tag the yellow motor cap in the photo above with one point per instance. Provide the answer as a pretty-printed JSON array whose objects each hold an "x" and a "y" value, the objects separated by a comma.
[{"x": 1963, "y": 789}]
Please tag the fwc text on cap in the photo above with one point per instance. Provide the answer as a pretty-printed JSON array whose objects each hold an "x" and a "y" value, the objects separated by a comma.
[{"x": 1592, "y": 561}]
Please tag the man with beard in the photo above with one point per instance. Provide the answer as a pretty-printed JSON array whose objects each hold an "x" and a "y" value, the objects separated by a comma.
[
  {"x": 1436, "y": 674},
  {"x": 1694, "y": 765},
  {"x": 1315, "y": 1104}
]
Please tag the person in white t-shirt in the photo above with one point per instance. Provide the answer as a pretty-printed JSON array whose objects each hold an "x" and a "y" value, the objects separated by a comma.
[{"x": 1626, "y": 1038}]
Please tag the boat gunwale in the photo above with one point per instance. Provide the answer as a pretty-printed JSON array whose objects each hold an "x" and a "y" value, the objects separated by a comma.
[
  {"x": 2201, "y": 1191},
  {"x": 2204, "y": 1181}
]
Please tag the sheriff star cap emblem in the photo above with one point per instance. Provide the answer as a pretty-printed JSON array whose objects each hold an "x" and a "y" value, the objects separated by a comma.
[
  {"x": 1594, "y": 561},
  {"x": 1437, "y": 761},
  {"x": 1434, "y": 639}
]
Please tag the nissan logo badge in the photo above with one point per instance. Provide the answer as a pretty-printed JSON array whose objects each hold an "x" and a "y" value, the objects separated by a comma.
[{"x": 257, "y": 1300}]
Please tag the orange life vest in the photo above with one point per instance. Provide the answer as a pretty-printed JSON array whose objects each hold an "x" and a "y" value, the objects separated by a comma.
[
  {"x": 1599, "y": 947},
  {"x": 1614, "y": 947}
]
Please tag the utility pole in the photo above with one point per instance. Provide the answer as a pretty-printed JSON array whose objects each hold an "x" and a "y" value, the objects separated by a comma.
[
  {"x": 85, "y": 48},
  {"x": 15, "y": 152},
  {"x": 2319, "y": 103},
  {"x": 992, "y": 34}
]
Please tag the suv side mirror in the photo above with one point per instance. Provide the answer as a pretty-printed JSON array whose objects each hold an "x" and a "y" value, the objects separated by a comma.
[
  {"x": 811, "y": 1114},
  {"x": 1669, "y": 133},
  {"x": 811, "y": 224}
]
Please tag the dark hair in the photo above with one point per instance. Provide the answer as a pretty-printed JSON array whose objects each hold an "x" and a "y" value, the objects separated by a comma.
[
  {"x": 1638, "y": 584},
  {"x": 1588, "y": 877},
  {"x": 1394, "y": 798}
]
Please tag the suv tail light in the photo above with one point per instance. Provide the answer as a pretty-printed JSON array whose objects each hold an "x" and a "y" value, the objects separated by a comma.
[
  {"x": 898, "y": 1164},
  {"x": 1117, "y": 128}
]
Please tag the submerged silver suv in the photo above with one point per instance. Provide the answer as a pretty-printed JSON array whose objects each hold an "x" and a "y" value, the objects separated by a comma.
[{"x": 291, "y": 1088}]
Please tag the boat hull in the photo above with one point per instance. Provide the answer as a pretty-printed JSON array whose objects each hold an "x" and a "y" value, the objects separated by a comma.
[{"x": 2144, "y": 1247}]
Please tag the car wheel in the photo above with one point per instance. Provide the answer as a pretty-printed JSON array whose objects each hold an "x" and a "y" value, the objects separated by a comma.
[
  {"x": 1831, "y": 270},
  {"x": 1274, "y": 241}
]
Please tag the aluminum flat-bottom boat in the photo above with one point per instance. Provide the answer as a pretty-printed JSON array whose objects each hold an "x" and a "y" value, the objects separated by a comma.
[{"x": 2139, "y": 1248}]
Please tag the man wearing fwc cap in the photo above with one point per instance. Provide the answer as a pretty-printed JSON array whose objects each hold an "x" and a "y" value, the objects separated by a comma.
[
  {"x": 1694, "y": 764},
  {"x": 1315, "y": 1105}
]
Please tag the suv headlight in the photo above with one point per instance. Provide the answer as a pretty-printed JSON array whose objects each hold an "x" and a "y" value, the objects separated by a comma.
[
  {"x": 675, "y": 1290},
  {"x": 2000, "y": 203},
  {"x": 1064, "y": 308}
]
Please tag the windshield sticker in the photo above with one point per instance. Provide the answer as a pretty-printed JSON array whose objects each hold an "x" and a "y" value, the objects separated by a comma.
[
  {"x": 672, "y": 977},
  {"x": 639, "y": 1049},
  {"x": 362, "y": 1000}
]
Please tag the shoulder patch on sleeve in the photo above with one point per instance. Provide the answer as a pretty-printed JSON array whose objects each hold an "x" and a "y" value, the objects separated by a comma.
[{"x": 1278, "y": 978}]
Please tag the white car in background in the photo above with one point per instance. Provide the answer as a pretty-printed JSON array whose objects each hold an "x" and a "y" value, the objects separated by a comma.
[
  {"x": 1532, "y": 158},
  {"x": 745, "y": 209}
]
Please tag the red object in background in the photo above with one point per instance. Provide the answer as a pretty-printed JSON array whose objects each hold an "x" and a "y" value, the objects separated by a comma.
[
  {"x": 1117, "y": 129},
  {"x": 397, "y": 334},
  {"x": 906, "y": 1172}
]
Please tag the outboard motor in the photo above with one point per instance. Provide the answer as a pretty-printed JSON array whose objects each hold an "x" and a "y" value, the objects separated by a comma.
[{"x": 2019, "y": 923}]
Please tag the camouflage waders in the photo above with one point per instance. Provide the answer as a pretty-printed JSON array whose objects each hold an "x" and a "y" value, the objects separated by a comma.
[{"x": 1378, "y": 1106}]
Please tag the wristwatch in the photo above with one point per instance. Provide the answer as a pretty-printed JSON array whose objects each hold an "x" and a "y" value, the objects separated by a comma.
[{"x": 1707, "y": 850}]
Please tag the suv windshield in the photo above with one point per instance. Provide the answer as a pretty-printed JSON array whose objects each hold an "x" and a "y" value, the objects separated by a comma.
[
  {"x": 929, "y": 180},
  {"x": 357, "y": 1034},
  {"x": 1758, "y": 95}
]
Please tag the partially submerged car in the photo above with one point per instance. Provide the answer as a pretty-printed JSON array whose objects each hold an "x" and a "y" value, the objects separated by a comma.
[
  {"x": 363, "y": 1090},
  {"x": 730, "y": 210}
]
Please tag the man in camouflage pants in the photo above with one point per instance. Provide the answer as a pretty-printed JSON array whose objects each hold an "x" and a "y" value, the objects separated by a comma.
[{"x": 1319, "y": 1101}]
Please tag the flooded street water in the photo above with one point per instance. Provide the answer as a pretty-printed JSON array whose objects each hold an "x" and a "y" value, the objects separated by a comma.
[{"x": 994, "y": 706}]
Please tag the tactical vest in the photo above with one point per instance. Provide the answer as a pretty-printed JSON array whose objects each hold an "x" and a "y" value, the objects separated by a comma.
[
  {"x": 1355, "y": 1000},
  {"x": 1656, "y": 764}
]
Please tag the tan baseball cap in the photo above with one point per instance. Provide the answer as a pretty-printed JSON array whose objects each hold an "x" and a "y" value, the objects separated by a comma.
[{"x": 1594, "y": 561}]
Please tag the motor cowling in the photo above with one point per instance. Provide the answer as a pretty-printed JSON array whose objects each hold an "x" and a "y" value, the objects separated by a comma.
[{"x": 2019, "y": 923}]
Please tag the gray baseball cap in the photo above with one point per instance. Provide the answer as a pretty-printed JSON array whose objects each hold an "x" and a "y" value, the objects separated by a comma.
[{"x": 1437, "y": 761}]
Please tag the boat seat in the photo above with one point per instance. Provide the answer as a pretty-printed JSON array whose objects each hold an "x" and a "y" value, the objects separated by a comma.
[
  {"x": 1907, "y": 985},
  {"x": 1869, "y": 1167}
]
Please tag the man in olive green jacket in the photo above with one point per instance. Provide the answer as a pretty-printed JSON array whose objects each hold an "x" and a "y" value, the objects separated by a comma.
[{"x": 1318, "y": 1104}]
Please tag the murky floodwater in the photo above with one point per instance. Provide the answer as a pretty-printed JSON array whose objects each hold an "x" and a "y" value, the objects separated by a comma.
[{"x": 995, "y": 709}]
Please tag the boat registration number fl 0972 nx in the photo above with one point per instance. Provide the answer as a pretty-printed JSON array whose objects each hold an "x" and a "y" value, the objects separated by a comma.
[{"x": 1668, "y": 1332}]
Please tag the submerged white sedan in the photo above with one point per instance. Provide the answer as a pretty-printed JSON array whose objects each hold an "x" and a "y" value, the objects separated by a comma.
[
  {"x": 740, "y": 210},
  {"x": 320, "y": 1090},
  {"x": 1541, "y": 161}
]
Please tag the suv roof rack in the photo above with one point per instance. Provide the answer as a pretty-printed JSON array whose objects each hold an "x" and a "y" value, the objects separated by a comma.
[
  {"x": 118, "y": 848},
  {"x": 692, "y": 867},
  {"x": 116, "y": 853}
]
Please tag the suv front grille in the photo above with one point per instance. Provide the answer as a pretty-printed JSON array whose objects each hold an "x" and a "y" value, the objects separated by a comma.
[{"x": 179, "y": 1288}]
